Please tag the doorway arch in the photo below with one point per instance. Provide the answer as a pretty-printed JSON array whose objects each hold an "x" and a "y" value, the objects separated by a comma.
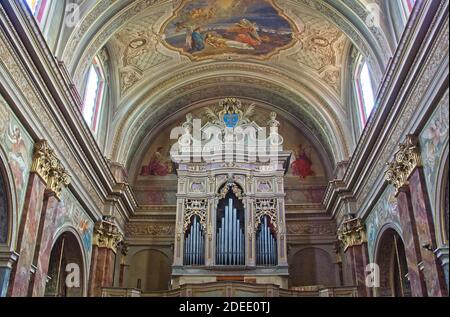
[
  {"x": 391, "y": 258},
  {"x": 66, "y": 270}
]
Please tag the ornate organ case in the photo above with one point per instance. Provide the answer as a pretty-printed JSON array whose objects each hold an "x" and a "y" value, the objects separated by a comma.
[{"x": 230, "y": 221}]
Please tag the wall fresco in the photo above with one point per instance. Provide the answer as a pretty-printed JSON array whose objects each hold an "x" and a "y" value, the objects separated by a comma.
[
  {"x": 18, "y": 145},
  {"x": 384, "y": 212}
]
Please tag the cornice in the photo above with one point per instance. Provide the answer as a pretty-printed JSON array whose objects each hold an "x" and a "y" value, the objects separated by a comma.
[{"x": 58, "y": 114}]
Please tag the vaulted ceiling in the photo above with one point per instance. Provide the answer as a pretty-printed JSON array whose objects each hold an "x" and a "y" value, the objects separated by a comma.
[{"x": 302, "y": 72}]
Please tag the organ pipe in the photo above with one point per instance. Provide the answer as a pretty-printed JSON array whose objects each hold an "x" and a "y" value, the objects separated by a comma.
[
  {"x": 230, "y": 238},
  {"x": 266, "y": 245},
  {"x": 194, "y": 244}
]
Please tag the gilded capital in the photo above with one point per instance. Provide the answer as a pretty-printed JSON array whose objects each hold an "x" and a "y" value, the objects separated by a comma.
[
  {"x": 106, "y": 234},
  {"x": 352, "y": 232},
  {"x": 406, "y": 159},
  {"x": 49, "y": 168},
  {"x": 42, "y": 160}
]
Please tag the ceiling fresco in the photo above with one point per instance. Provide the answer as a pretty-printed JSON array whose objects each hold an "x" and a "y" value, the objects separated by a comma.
[
  {"x": 207, "y": 28},
  {"x": 229, "y": 30},
  {"x": 265, "y": 48}
]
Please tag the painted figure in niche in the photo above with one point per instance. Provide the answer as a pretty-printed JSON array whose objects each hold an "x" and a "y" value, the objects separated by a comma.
[
  {"x": 17, "y": 155},
  {"x": 302, "y": 164},
  {"x": 158, "y": 165}
]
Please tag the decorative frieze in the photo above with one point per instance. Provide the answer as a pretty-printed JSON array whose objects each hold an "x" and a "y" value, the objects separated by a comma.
[
  {"x": 308, "y": 229},
  {"x": 107, "y": 234},
  {"x": 49, "y": 168},
  {"x": 352, "y": 232},
  {"x": 150, "y": 229},
  {"x": 406, "y": 159}
]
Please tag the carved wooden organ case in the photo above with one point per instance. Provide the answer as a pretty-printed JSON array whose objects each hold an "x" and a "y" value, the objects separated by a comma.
[{"x": 230, "y": 216}]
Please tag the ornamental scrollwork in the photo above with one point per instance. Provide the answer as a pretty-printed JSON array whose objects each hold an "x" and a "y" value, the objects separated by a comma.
[
  {"x": 107, "y": 234},
  {"x": 266, "y": 207},
  {"x": 49, "y": 168},
  {"x": 195, "y": 207},
  {"x": 352, "y": 232},
  {"x": 406, "y": 159}
]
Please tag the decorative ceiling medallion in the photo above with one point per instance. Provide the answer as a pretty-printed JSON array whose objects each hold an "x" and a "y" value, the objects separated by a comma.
[{"x": 221, "y": 28}]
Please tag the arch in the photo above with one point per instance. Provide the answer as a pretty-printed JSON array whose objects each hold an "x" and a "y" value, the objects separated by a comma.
[
  {"x": 150, "y": 270},
  {"x": 312, "y": 266},
  {"x": 441, "y": 199},
  {"x": 10, "y": 214},
  {"x": 390, "y": 256},
  {"x": 195, "y": 84},
  {"x": 66, "y": 251}
]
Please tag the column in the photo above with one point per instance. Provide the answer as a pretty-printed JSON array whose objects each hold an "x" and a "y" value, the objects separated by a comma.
[
  {"x": 405, "y": 173},
  {"x": 43, "y": 160},
  {"x": 106, "y": 238},
  {"x": 352, "y": 235},
  {"x": 58, "y": 178}
]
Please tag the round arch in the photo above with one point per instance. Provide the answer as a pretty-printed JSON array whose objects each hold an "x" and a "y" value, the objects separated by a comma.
[
  {"x": 315, "y": 114},
  {"x": 390, "y": 256},
  {"x": 67, "y": 253},
  {"x": 441, "y": 200},
  {"x": 9, "y": 215},
  {"x": 312, "y": 266},
  {"x": 149, "y": 270}
]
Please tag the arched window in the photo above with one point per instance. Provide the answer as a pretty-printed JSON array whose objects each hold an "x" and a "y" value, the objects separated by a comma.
[
  {"x": 408, "y": 6},
  {"x": 93, "y": 95},
  {"x": 364, "y": 91},
  {"x": 39, "y": 9}
]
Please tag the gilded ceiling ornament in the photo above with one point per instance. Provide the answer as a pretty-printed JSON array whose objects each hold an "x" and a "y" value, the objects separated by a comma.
[{"x": 406, "y": 159}]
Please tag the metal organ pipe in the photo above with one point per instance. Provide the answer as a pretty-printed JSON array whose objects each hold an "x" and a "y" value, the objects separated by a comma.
[
  {"x": 194, "y": 244},
  {"x": 266, "y": 245},
  {"x": 230, "y": 238}
]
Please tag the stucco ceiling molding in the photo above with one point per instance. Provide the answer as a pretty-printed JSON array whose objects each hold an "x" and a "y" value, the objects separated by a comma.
[
  {"x": 137, "y": 125},
  {"x": 366, "y": 42}
]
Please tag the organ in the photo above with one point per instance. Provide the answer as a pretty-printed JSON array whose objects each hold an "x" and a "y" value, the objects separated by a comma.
[{"x": 230, "y": 218}]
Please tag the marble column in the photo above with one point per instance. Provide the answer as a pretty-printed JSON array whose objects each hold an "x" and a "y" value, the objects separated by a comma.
[
  {"x": 106, "y": 239},
  {"x": 352, "y": 234},
  {"x": 43, "y": 160},
  {"x": 412, "y": 246},
  {"x": 433, "y": 272},
  {"x": 44, "y": 245},
  {"x": 405, "y": 173}
]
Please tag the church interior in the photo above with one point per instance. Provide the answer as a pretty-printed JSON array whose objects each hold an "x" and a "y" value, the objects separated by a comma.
[{"x": 224, "y": 148}]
